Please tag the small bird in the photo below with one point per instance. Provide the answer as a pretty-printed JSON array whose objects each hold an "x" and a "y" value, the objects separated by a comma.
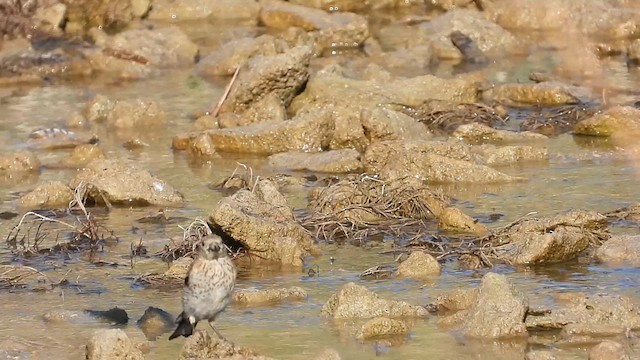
[{"x": 207, "y": 287}]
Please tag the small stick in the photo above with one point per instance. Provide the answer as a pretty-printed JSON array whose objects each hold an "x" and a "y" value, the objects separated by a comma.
[{"x": 227, "y": 90}]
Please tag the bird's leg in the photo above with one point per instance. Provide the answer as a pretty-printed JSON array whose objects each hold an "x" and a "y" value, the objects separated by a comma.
[{"x": 216, "y": 331}]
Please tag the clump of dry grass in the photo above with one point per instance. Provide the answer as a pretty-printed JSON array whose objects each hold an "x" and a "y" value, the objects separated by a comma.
[
  {"x": 555, "y": 120},
  {"x": 32, "y": 234},
  {"x": 444, "y": 117}
]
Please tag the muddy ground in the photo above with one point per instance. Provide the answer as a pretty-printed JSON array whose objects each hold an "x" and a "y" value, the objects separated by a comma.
[{"x": 394, "y": 179}]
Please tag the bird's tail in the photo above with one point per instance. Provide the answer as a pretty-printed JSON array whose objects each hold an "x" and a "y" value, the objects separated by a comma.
[{"x": 185, "y": 328}]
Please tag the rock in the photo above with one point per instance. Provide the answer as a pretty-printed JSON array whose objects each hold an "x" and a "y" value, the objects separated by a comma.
[
  {"x": 419, "y": 266},
  {"x": 155, "y": 322},
  {"x": 179, "y": 268},
  {"x": 398, "y": 159},
  {"x": 615, "y": 120},
  {"x": 269, "y": 108},
  {"x": 19, "y": 161},
  {"x": 51, "y": 195},
  {"x": 381, "y": 327},
  {"x": 356, "y": 301},
  {"x": 453, "y": 219},
  {"x": 160, "y": 47},
  {"x": 269, "y": 296},
  {"x": 56, "y": 138},
  {"x": 202, "y": 147},
  {"x": 329, "y": 87},
  {"x": 119, "y": 183},
  {"x": 348, "y": 132},
  {"x": 108, "y": 344},
  {"x": 587, "y": 17},
  {"x": 310, "y": 131},
  {"x": 262, "y": 222},
  {"x": 63, "y": 316},
  {"x": 81, "y": 156},
  {"x": 598, "y": 310},
  {"x": 539, "y": 355},
  {"x": 236, "y": 53},
  {"x": 206, "y": 122},
  {"x": 36, "y": 66},
  {"x": 553, "y": 239},
  {"x": 201, "y": 346},
  {"x": 476, "y": 132},
  {"x": 334, "y": 161},
  {"x": 461, "y": 299},
  {"x": 283, "y": 74},
  {"x": 608, "y": 350},
  {"x": 51, "y": 17},
  {"x": 83, "y": 14},
  {"x": 488, "y": 36},
  {"x": 499, "y": 310},
  {"x": 134, "y": 114},
  {"x": 506, "y": 155},
  {"x": 340, "y": 30},
  {"x": 173, "y": 278},
  {"x": 590, "y": 332},
  {"x": 384, "y": 124},
  {"x": 169, "y": 10},
  {"x": 328, "y": 354},
  {"x": 113, "y": 316},
  {"x": 540, "y": 94},
  {"x": 621, "y": 249}
]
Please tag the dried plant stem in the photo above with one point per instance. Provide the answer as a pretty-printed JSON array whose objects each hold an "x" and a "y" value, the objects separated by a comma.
[{"x": 227, "y": 90}]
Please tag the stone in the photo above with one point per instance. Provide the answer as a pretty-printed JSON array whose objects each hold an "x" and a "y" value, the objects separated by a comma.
[
  {"x": 419, "y": 266},
  {"x": 620, "y": 250},
  {"x": 269, "y": 296},
  {"x": 111, "y": 344},
  {"x": 51, "y": 195},
  {"x": 333, "y": 161},
  {"x": 382, "y": 327},
  {"x": 608, "y": 350},
  {"x": 356, "y": 301}
]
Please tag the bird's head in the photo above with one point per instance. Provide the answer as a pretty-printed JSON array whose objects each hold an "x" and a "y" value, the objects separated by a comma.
[{"x": 212, "y": 248}]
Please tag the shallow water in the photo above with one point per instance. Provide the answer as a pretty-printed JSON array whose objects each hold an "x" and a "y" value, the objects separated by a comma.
[{"x": 577, "y": 176}]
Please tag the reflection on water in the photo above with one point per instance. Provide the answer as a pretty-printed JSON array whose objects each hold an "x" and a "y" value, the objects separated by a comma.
[{"x": 581, "y": 174}]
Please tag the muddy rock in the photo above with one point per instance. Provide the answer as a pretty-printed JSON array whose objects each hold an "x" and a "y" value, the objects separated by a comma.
[
  {"x": 328, "y": 354},
  {"x": 574, "y": 333},
  {"x": 170, "y": 10},
  {"x": 348, "y": 132},
  {"x": 587, "y": 17},
  {"x": 124, "y": 114},
  {"x": 206, "y": 122},
  {"x": 334, "y": 161},
  {"x": 236, "y": 53},
  {"x": 461, "y": 299},
  {"x": 532, "y": 241},
  {"x": 514, "y": 154},
  {"x": 202, "y": 147},
  {"x": 173, "y": 278},
  {"x": 63, "y": 316},
  {"x": 381, "y": 327},
  {"x": 283, "y": 74},
  {"x": 155, "y": 322},
  {"x": 51, "y": 17},
  {"x": 598, "y": 310},
  {"x": 488, "y": 36},
  {"x": 57, "y": 138},
  {"x": 392, "y": 160},
  {"x": 476, "y": 132},
  {"x": 385, "y": 124},
  {"x": 454, "y": 219},
  {"x": 622, "y": 249},
  {"x": 111, "y": 344},
  {"x": 18, "y": 162},
  {"x": 83, "y": 14},
  {"x": 615, "y": 120},
  {"x": 329, "y": 86},
  {"x": 499, "y": 310},
  {"x": 541, "y": 94},
  {"x": 269, "y": 108},
  {"x": 51, "y": 195},
  {"x": 161, "y": 47},
  {"x": 201, "y": 346},
  {"x": 119, "y": 183},
  {"x": 81, "y": 156},
  {"x": 35, "y": 66},
  {"x": 340, "y": 29},
  {"x": 309, "y": 132},
  {"x": 539, "y": 355},
  {"x": 419, "y": 266},
  {"x": 608, "y": 350},
  {"x": 270, "y": 296},
  {"x": 356, "y": 301},
  {"x": 263, "y": 223}
]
